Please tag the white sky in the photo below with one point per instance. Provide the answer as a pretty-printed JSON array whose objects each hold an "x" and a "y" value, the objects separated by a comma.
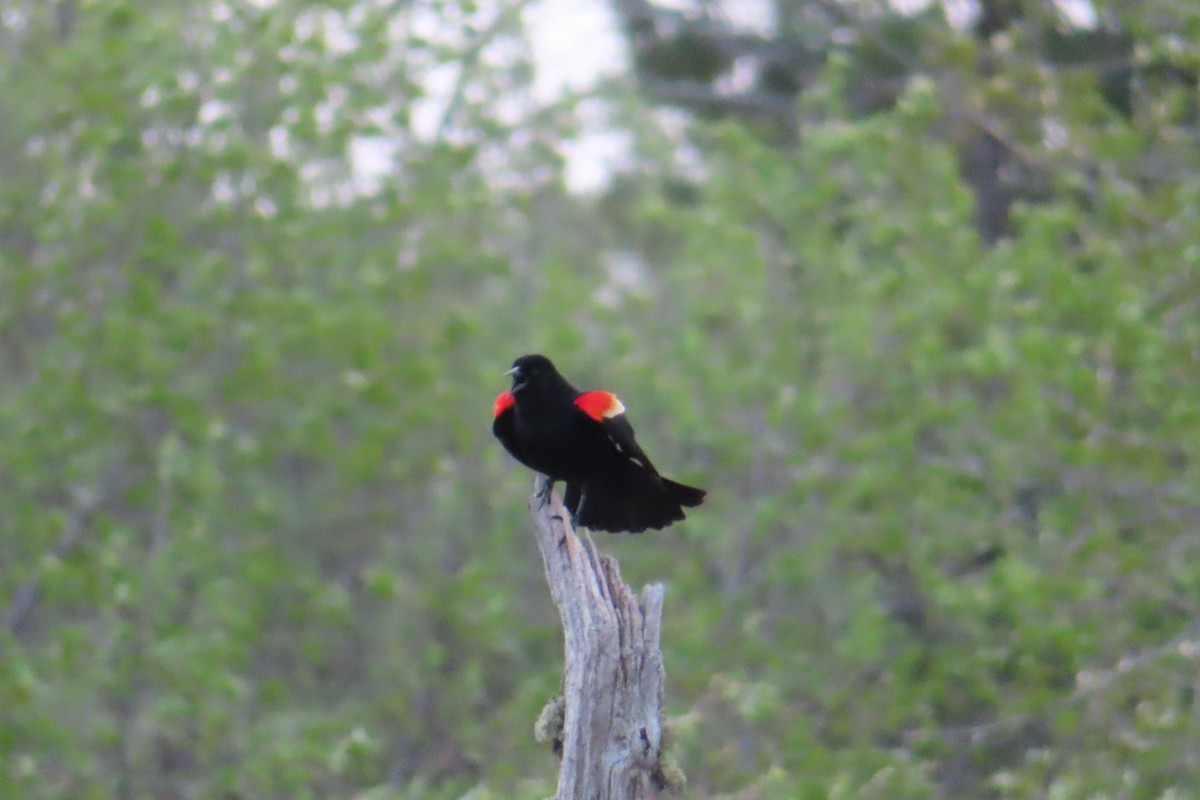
[{"x": 577, "y": 43}]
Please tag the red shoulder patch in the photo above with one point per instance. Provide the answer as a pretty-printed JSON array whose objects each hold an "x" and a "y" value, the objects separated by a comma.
[
  {"x": 599, "y": 405},
  {"x": 504, "y": 401}
]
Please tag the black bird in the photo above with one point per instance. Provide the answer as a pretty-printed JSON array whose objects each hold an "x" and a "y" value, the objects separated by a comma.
[{"x": 584, "y": 439}]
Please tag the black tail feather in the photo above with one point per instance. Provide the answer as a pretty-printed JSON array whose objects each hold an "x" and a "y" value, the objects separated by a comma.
[
  {"x": 687, "y": 496},
  {"x": 632, "y": 501}
]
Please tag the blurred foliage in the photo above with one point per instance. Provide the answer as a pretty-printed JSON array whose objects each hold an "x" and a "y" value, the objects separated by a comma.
[{"x": 258, "y": 541}]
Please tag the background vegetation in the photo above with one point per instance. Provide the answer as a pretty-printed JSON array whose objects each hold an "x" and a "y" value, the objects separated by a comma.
[{"x": 920, "y": 307}]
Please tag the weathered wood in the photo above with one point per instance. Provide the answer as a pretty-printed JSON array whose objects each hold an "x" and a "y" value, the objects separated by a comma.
[{"x": 613, "y": 681}]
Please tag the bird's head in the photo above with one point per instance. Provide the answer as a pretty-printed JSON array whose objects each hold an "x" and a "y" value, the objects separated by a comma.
[{"x": 532, "y": 370}]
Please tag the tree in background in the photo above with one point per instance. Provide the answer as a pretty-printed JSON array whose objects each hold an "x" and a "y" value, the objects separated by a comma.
[
  {"x": 258, "y": 280},
  {"x": 241, "y": 396},
  {"x": 1022, "y": 82}
]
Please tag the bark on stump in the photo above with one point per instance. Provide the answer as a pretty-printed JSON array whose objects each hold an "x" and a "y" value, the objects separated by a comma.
[{"x": 613, "y": 679}]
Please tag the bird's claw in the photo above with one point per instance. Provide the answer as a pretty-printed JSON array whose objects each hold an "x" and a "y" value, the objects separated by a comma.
[
  {"x": 544, "y": 492},
  {"x": 578, "y": 511}
]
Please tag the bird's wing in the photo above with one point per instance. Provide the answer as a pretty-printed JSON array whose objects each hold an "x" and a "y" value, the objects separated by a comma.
[
  {"x": 606, "y": 409},
  {"x": 504, "y": 402},
  {"x": 502, "y": 423}
]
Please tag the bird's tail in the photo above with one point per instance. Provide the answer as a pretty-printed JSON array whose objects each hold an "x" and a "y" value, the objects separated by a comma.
[
  {"x": 633, "y": 502},
  {"x": 686, "y": 496}
]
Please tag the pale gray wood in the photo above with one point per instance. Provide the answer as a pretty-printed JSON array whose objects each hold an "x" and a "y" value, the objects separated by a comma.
[{"x": 613, "y": 681}]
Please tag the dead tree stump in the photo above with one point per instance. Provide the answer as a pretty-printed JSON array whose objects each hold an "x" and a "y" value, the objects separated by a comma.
[{"x": 612, "y": 729}]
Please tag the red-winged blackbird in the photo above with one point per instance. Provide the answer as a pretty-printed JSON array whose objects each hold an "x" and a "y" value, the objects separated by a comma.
[{"x": 583, "y": 438}]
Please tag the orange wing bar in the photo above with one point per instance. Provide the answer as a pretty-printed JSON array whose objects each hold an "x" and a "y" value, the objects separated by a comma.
[
  {"x": 599, "y": 405},
  {"x": 504, "y": 401}
]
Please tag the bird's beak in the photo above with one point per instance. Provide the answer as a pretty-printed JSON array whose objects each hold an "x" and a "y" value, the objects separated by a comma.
[{"x": 518, "y": 379}]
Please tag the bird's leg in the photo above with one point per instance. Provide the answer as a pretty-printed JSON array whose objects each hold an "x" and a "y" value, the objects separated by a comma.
[
  {"x": 545, "y": 488},
  {"x": 579, "y": 509}
]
